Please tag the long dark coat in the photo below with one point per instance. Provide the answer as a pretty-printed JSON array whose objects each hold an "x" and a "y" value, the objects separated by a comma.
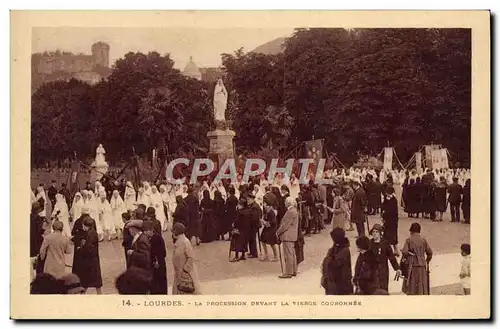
[
  {"x": 208, "y": 227},
  {"x": 440, "y": 197},
  {"x": 36, "y": 234},
  {"x": 219, "y": 216},
  {"x": 242, "y": 224},
  {"x": 159, "y": 285},
  {"x": 181, "y": 214},
  {"x": 230, "y": 214},
  {"x": 86, "y": 262},
  {"x": 337, "y": 271},
  {"x": 383, "y": 254},
  {"x": 364, "y": 273},
  {"x": 390, "y": 218},
  {"x": 358, "y": 206},
  {"x": 268, "y": 235},
  {"x": 194, "y": 222}
]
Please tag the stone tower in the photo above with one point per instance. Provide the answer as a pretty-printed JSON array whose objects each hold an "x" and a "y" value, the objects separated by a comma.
[{"x": 100, "y": 53}]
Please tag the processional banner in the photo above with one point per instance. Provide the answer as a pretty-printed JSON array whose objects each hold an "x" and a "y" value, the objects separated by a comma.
[{"x": 388, "y": 153}]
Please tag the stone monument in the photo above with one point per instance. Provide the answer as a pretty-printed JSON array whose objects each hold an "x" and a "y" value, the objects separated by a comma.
[
  {"x": 221, "y": 139},
  {"x": 99, "y": 166}
]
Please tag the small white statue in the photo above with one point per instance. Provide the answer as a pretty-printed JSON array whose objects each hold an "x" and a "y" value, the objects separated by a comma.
[
  {"x": 99, "y": 157},
  {"x": 220, "y": 101}
]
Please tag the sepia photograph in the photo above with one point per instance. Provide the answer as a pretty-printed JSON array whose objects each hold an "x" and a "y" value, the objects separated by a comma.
[{"x": 269, "y": 161}]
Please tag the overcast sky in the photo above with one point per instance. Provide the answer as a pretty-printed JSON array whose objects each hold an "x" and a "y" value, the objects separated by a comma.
[{"x": 205, "y": 45}]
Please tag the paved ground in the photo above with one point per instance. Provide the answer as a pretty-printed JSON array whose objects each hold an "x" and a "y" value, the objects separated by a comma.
[{"x": 218, "y": 276}]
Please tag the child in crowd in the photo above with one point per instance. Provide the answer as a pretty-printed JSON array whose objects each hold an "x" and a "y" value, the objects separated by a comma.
[{"x": 465, "y": 271}]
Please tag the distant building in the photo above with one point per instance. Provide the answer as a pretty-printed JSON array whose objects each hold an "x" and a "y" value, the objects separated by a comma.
[
  {"x": 191, "y": 70},
  {"x": 52, "y": 66},
  {"x": 207, "y": 74}
]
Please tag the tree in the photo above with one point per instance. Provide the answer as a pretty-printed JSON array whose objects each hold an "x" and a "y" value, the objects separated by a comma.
[
  {"x": 276, "y": 127},
  {"x": 160, "y": 117}
]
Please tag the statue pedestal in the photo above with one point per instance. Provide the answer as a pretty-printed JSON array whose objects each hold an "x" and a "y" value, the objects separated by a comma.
[
  {"x": 221, "y": 145},
  {"x": 98, "y": 171}
]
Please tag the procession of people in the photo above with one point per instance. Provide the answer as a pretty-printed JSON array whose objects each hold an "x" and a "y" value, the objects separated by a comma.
[{"x": 260, "y": 219}]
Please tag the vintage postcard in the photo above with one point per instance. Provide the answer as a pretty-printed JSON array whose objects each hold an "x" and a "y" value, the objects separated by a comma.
[{"x": 250, "y": 165}]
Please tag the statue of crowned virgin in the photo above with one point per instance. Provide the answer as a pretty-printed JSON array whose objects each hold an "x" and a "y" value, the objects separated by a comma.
[
  {"x": 99, "y": 166},
  {"x": 220, "y": 103}
]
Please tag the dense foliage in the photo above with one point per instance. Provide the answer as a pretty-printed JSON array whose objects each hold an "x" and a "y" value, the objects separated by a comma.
[{"x": 360, "y": 90}]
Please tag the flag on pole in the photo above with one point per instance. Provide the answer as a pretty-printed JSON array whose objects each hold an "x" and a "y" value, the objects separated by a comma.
[
  {"x": 314, "y": 149},
  {"x": 388, "y": 153},
  {"x": 73, "y": 181},
  {"x": 418, "y": 162},
  {"x": 436, "y": 159}
]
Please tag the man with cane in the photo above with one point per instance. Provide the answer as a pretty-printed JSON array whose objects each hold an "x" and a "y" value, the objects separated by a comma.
[{"x": 287, "y": 234}]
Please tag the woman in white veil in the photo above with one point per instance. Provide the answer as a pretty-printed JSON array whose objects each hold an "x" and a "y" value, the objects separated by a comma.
[
  {"x": 117, "y": 209},
  {"x": 143, "y": 198},
  {"x": 61, "y": 213},
  {"x": 92, "y": 204},
  {"x": 130, "y": 197},
  {"x": 165, "y": 197},
  {"x": 76, "y": 206},
  {"x": 157, "y": 203}
]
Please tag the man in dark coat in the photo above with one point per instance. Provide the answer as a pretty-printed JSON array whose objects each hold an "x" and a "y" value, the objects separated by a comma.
[
  {"x": 139, "y": 255},
  {"x": 364, "y": 270},
  {"x": 383, "y": 254},
  {"x": 194, "y": 222},
  {"x": 358, "y": 216},
  {"x": 455, "y": 198},
  {"x": 36, "y": 235},
  {"x": 86, "y": 262},
  {"x": 151, "y": 217},
  {"x": 159, "y": 284}
]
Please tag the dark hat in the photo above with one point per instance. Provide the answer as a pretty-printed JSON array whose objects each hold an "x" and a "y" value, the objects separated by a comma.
[
  {"x": 137, "y": 223},
  {"x": 363, "y": 243},
  {"x": 415, "y": 228},
  {"x": 269, "y": 199},
  {"x": 72, "y": 284},
  {"x": 88, "y": 222},
  {"x": 251, "y": 195},
  {"x": 178, "y": 229},
  {"x": 337, "y": 235},
  {"x": 151, "y": 211},
  {"x": 377, "y": 227},
  {"x": 147, "y": 225},
  {"x": 126, "y": 216}
]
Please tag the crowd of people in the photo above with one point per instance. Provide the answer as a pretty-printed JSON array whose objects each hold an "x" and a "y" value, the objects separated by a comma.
[{"x": 260, "y": 214}]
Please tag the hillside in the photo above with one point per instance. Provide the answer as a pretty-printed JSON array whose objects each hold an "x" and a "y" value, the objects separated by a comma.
[{"x": 272, "y": 47}]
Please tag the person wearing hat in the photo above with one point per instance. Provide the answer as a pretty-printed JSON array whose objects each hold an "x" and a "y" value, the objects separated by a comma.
[
  {"x": 336, "y": 268},
  {"x": 139, "y": 254},
  {"x": 86, "y": 261},
  {"x": 418, "y": 253},
  {"x": 390, "y": 218},
  {"x": 183, "y": 260},
  {"x": 127, "y": 237},
  {"x": 239, "y": 233},
  {"x": 384, "y": 254},
  {"x": 193, "y": 228},
  {"x": 36, "y": 236},
  {"x": 229, "y": 213},
  {"x": 254, "y": 216},
  {"x": 72, "y": 285},
  {"x": 54, "y": 249},
  {"x": 358, "y": 216},
  {"x": 151, "y": 217},
  {"x": 364, "y": 270}
]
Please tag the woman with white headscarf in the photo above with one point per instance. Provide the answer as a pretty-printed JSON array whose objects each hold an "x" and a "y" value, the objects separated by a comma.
[
  {"x": 165, "y": 197},
  {"x": 76, "y": 207},
  {"x": 157, "y": 203},
  {"x": 294, "y": 187},
  {"x": 106, "y": 216},
  {"x": 92, "y": 204},
  {"x": 147, "y": 188},
  {"x": 259, "y": 196},
  {"x": 130, "y": 197},
  {"x": 143, "y": 198},
  {"x": 61, "y": 213},
  {"x": 117, "y": 209}
]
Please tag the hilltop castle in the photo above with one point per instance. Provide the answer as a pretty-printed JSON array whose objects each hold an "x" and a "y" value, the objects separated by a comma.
[{"x": 51, "y": 66}]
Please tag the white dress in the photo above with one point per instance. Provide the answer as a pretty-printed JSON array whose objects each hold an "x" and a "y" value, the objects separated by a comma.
[
  {"x": 130, "y": 200},
  {"x": 94, "y": 212},
  {"x": 157, "y": 203},
  {"x": 63, "y": 215},
  {"x": 117, "y": 209},
  {"x": 106, "y": 216}
]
